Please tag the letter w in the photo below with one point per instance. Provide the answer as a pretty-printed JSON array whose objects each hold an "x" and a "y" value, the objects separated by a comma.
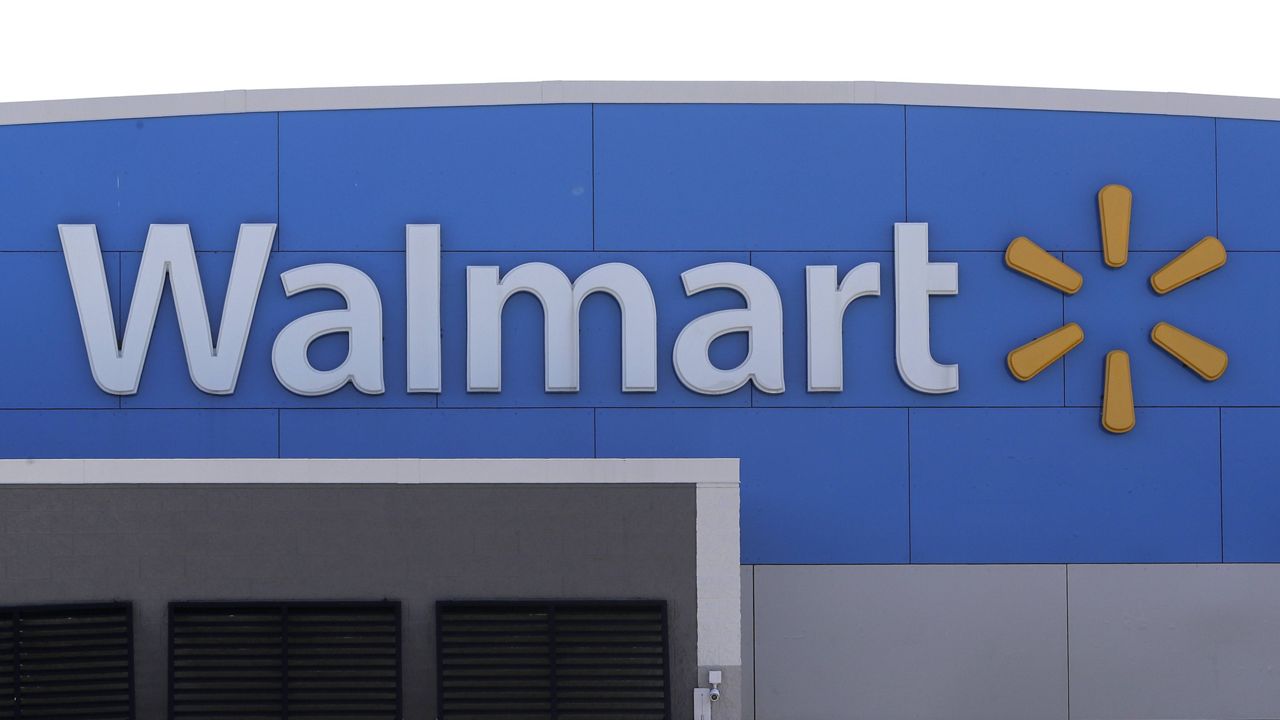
[{"x": 117, "y": 366}]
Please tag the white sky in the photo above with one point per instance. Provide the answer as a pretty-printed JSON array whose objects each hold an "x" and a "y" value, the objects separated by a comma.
[{"x": 62, "y": 49}]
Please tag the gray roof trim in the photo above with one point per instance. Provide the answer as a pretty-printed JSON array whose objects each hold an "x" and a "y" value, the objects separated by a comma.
[{"x": 534, "y": 93}]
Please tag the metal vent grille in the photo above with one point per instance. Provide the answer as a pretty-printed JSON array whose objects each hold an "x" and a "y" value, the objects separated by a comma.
[
  {"x": 65, "y": 662},
  {"x": 552, "y": 660},
  {"x": 284, "y": 661}
]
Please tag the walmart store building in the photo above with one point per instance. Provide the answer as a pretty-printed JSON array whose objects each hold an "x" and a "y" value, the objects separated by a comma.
[{"x": 568, "y": 400}]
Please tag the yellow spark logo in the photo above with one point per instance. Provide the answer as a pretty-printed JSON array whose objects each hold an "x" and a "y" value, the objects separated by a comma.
[{"x": 1115, "y": 208}]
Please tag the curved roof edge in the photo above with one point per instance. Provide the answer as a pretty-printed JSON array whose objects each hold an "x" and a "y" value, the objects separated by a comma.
[{"x": 534, "y": 93}]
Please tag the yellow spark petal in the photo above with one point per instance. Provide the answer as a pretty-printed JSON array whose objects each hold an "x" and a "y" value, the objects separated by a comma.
[
  {"x": 1035, "y": 262},
  {"x": 1205, "y": 360},
  {"x": 1115, "y": 207},
  {"x": 1029, "y": 360},
  {"x": 1117, "y": 394},
  {"x": 1196, "y": 261}
]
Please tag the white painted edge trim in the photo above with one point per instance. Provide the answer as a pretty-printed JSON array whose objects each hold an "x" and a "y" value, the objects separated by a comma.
[
  {"x": 719, "y": 577},
  {"x": 709, "y": 472},
  {"x": 658, "y": 92},
  {"x": 715, "y": 483}
]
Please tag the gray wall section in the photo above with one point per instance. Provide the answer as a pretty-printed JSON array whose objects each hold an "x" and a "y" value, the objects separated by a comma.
[
  {"x": 748, "y": 694},
  {"x": 1007, "y": 641},
  {"x": 923, "y": 641},
  {"x": 415, "y": 543},
  {"x": 1175, "y": 641}
]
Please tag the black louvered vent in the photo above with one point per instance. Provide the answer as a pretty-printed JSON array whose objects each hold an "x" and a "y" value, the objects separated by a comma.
[
  {"x": 284, "y": 661},
  {"x": 67, "y": 662},
  {"x": 553, "y": 660}
]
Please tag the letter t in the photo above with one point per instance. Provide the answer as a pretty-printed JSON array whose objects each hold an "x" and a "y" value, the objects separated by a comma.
[{"x": 915, "y": 279}]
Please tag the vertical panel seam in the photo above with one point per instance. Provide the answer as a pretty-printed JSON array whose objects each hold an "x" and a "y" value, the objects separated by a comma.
[
  {"x": 594, "y": 189},
  {"x": 751, "y": 386},
  {"x": 1063, "y": 256},
  {"x": 755, "y": 687},
  {"x": 910, "y": 531},
  {"x": 1217, "y": 185},
  {"x": 1217, "y": 231},
  {"x": 1222, "y": 505},
  {"x": 277, "y": 240},
  {"x": 1066, "y": 586},
  {"x": 119, "y": 329},
  {"x": 906, "y": 205}
]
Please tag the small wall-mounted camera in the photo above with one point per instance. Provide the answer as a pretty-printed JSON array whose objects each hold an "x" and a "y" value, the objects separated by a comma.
[{"x": 704, "y": 697}]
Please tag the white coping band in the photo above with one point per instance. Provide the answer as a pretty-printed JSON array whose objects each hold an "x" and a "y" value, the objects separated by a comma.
[
  {"x": 715, "y": 484},
  {"x": 536, "y": 93},
  {"x": 708, "y": 472}
]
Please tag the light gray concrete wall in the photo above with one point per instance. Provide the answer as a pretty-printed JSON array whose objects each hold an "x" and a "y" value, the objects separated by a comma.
[
  {"x": 1175, "y": 641},
  {"x": 416, "y": 543},
  {"x": 922, "y": 641},
  {"x": 1086, "y": 642},
  {"x": 748, "y": 642}
]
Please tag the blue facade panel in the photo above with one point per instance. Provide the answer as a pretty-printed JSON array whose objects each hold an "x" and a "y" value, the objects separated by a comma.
[
  {"x": 494, "y": 178},
  {"x": 748, "y": 177},
  {"x": 435, "y": 433},
  {"x": 212, "y": 172},
  {"x": 1250, "y": 485},
  {"x": 1046, "y": 485},
  {"x": 1249, "y": 184},
  {"x": 818, "y": 486},
  {"x": 138, "y": 433},
  {"x": 961, "y": 333},
  {"x": 44, "y": 359},
  {"x": 984, "y": 177},
  {"x": 1230, "y": 308},
  {"x": 165, "y": 379},
  {"x": 600, "y": 363},
  {"x": 1000, "y": 471}
]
